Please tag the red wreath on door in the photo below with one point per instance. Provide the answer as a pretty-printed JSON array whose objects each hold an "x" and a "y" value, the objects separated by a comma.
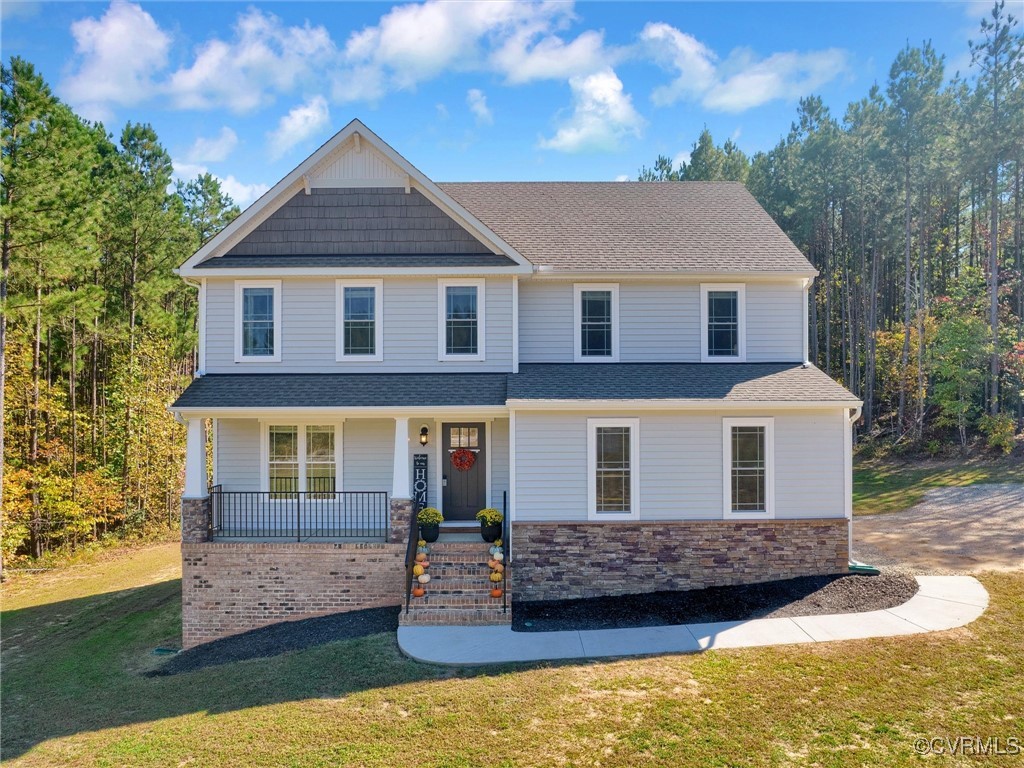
[{"x": 463, "y": 459}]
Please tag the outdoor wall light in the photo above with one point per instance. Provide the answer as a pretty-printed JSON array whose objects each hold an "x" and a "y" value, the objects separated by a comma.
[{"x": 424, "y": 435}]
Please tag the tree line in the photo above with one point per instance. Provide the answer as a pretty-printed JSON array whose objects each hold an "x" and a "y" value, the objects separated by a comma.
[
  {"x": 97, "y": 335},
  {"x": 909, "y": 206}
]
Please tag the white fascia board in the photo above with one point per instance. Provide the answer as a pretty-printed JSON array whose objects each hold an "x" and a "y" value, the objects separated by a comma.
[
  {"x": 247, "y": 272},
  {"x": 277, "y": 195},
  {"x": 455, "y": 411},
  {"x": 675, "y": 405},
  {"x": 612, "y": 275}
]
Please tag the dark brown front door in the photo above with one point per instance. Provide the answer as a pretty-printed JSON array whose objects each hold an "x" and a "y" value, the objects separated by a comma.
[{"x": 465, "y": 490}]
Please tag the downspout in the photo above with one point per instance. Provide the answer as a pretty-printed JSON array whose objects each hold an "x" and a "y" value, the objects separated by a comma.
[{"x": 852, "y": 415}]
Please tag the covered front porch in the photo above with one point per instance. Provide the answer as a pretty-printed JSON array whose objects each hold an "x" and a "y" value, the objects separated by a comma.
[{"x": 343, "y": 477}]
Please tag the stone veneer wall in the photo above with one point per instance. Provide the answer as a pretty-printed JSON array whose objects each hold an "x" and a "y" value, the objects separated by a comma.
[
  {"x": 554, "y": 561},
  {"x": 229, "y": 587}
]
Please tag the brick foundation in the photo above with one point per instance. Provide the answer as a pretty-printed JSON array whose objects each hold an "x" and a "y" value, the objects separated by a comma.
[
  {"x": 195, "y": 519},
  {"x": 553, "y": 561},
  {"x": 400, "y": 519},
  {"x": 229, "y": 588}
]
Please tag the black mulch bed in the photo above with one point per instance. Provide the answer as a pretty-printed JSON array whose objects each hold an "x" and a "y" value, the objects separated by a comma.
[
  {"x": 805, "y": 596},
  {"x": 282, "y": 638}
]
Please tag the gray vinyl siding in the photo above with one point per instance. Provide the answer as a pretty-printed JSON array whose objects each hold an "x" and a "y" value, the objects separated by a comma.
[
  {"x": 775, "y": 328},
  {"x": 369, "y": 446},
  {"x": 499, "y": 461},
  {"x": 237, "y": 446},
  {"x": 383, "y": 220},
  {"x": 680, "y": 466},
  {"x": 659, "y": 321},
  {"x": 308, "y": 329}
]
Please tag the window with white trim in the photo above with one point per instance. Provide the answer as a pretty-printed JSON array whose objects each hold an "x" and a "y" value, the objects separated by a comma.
[
  {"x": 258, "y": 321},
  {"x": 748, "y": 467},
  {"x": 301, "y": 458},
  {"x": 596, "y": 322},
  {"x": 359, "y": 322},
  {"x": 723, "y": 322},
  {"x": 460, "y": 319},
  {"x": 612, "y": 457}
]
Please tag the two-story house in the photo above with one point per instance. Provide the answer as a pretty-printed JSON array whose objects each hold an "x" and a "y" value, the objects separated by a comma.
[{"x": 620, "y": 367}]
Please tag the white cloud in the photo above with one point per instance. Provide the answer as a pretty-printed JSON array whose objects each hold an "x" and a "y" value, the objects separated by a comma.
[
  {"x": 683, "y": 158},
  {"x": 788, "y": 76},
  {"x": 603, "y": 115},
  {"x": 213, "y": 150},
  {"x": 622, "y": 177},
  {"x": 742, "y": 81},
  {"x": 264, "y": 57},
  {"x": 242, "y": 194},
  {"x": 19, "y": 9},
  {"x": 442, "y": 111},
  {"x": 522, "y": 60},
  {"x": 301, "y": 123},
  {"x": 116, "y": 58},
  {"x": 691, "y": 59},
  {"x": 477, "y": 101}
]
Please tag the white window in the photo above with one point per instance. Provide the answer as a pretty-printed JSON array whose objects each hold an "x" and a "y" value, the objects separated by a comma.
[
  {"x": 257, "y": 321},
  {"x": 596, "y": 322},
  {"x": 748, "y": 467},
  {"x": 460, "y": 320},
  {"x": 723, "y": 320},
  {"x": 301, "y": 458},
  {"x": 360, "y": 325},
  {"x": 613, "y": 453}
]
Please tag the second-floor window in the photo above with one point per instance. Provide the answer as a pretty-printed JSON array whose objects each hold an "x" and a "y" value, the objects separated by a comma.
[
  {"x": 596, "y": 314},
  {"x": 258, "y": 321},
  {"x": 723, "y": 322},
  {"x": 461, "y": 320},
  {"x": 360, "y": 329}
]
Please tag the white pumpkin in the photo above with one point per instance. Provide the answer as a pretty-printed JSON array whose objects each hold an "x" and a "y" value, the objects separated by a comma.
[
  {"x": 424, "y": 579},
  {"x": 499, "y": 556}
]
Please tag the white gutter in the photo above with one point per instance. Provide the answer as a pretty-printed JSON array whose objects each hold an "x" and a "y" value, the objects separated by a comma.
[{"x": 677, "y": 404}]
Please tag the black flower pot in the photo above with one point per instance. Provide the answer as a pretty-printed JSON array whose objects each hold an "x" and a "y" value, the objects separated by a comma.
[
  {"x": 430, "y": 532},
  {"x": 490, "y": 533}
]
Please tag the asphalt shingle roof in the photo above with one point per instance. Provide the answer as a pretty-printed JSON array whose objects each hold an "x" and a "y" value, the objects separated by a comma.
[
  {"x": 728, "y": 382},
  {"x": 700, "y": 227},
  {"x": 341, "y": 390}
]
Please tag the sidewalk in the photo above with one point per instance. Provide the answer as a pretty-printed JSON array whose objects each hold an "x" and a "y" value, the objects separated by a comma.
[{"x": 942, "y": 602}]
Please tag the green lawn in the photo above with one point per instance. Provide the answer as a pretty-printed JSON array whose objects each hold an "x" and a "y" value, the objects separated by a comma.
[
  {"x": 76, "y": 643},
  {"x": 891, "y": 485}
]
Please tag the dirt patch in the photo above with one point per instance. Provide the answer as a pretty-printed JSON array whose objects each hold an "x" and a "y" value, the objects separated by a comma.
[
  {"x": 282, "y": 638},
  {"x": 952, "y": 530},
  {"x": 805, "y": 596}
]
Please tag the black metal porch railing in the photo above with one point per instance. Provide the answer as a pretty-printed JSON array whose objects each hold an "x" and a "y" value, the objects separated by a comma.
[
  {"x": 299, "y": 515},
  {"x": 410, "y": 552},
  {"x": 506, "y": 540}
]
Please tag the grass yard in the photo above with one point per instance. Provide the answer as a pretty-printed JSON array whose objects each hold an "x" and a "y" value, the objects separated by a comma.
[
  {"x": 76, "y": 643},
  {"x": 891, "y": 485}
]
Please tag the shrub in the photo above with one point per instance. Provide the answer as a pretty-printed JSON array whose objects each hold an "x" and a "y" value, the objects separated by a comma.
[
  {"x": 489, "y": 516},
  {"x": 999, "y": 431},
  {"x": 429, "y": 516}
]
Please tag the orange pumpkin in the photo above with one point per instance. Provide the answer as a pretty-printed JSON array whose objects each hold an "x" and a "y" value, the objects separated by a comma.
[
  {"x": 425, "y": 563},
  {"x": 496, "y": 592},
  {"x": 421, "y": 556},
  {"x": 498, "y": 567},
  {"x": 491, "y": 564},
  {"x": 419, "y": 592}
]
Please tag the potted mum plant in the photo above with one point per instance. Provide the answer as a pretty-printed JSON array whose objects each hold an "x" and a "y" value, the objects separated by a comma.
[
  {"x": 490, "y": 523},
  {"x": 429, "y": 520}
]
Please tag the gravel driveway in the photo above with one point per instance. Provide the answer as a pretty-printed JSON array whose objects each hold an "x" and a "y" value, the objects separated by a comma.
[{"x": 952, "y": 530}]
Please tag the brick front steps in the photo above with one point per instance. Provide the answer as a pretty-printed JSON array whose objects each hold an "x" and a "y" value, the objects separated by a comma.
[{"x": 459, "y": 589}]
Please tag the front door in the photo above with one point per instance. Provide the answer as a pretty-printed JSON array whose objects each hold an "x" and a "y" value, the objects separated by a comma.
[{"x": 463, "y": 470}]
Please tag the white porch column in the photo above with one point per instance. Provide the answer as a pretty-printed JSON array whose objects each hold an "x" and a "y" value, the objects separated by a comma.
[
  {"x": 401, "y": 480},
  {"x": 195, "y": 460}
]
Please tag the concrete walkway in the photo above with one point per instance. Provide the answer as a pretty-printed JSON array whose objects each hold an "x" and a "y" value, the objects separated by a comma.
[{"x": 942, "y": 602}]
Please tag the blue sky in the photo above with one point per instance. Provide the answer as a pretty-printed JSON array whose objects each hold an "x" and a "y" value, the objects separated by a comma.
[{"x": 466, "y": 91}]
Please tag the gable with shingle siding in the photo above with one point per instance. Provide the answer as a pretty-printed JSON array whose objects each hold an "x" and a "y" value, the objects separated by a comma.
[{"x": 357, "y": 221}]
